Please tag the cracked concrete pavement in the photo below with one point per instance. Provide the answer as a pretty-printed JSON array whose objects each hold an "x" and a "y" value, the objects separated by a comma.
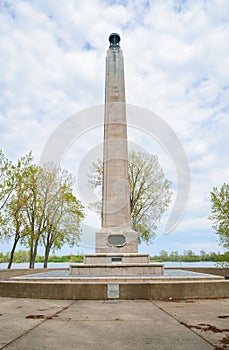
[{"x": 116, "y": 324}]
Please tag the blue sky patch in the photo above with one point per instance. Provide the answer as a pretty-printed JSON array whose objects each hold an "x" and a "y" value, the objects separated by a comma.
[{"x": 88, "y": 46}]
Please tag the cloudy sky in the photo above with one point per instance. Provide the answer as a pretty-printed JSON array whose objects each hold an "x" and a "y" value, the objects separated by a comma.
[{"x": 52, "y": 66}]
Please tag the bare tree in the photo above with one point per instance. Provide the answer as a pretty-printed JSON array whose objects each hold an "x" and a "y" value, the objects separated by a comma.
[{"x": 150, "y": 192}]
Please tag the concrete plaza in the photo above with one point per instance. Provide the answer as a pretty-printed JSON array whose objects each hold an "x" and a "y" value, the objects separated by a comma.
[{"x": 114, "y": 324}]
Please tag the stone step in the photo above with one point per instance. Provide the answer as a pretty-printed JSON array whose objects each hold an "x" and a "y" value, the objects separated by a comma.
[{"x": 116, "y": 269}]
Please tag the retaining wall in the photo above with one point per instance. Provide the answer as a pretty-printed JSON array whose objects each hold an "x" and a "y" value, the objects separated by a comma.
[{"x": 97, "y": 291}]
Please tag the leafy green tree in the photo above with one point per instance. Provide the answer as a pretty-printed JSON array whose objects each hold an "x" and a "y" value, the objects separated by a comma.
[
  {"x": 52, "y": 212},
  {"x": 21, "y": 256},
  {"x": 32, "y": 213},
  {"x": 6, "y": 181},
  {"x": 203, "y": 255},
  {"x": 220, "y": 213},
  {"x": 41, "y": 209},
  {"x": 190, "y": 256},
  {"x": 13, "y": 212},
  {"x": 1, "y": 257},
  {"x": 62, "y": 212},
  {"x": 174, "y": 256},
  {"x": 164, "y": 256},
  {"x": 150, "y": 193},
  {"x": 189, "y": 253}
]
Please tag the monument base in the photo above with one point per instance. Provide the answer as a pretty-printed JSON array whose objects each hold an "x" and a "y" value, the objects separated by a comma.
[
  {"x": 116, "y": 265},
  {"x": 120, "y": 258},
  {"x": 116, "y": 269},
  {"x": 117, "y": 240},
  {"x": 116, "y": 255}
]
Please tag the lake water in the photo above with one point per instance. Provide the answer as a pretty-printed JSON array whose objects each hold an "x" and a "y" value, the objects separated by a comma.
[{"x": 66, "y": 265}]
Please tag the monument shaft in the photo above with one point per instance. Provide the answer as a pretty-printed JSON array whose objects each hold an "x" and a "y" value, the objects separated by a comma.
[
  {"x": 116, "y": 235},
  {"x": 116, "y": 197}
]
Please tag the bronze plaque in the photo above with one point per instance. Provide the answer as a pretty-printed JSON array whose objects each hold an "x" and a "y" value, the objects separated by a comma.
[{"x": 116, "y": 240}]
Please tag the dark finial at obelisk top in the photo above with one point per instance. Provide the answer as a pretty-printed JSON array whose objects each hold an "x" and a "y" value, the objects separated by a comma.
[{"x": 114, "y": 39}]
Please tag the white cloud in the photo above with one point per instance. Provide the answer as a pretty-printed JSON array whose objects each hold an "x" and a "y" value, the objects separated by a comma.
[{"x": 52, "y": 65}]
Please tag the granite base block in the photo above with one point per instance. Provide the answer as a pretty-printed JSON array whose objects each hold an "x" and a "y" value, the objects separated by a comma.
[{"x": 116, "y": 269}]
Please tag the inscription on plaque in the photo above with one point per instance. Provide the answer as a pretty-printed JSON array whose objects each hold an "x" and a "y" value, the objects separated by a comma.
[
  {"x": 116, "y": 240},
  {"x": 113, "y": 291}
]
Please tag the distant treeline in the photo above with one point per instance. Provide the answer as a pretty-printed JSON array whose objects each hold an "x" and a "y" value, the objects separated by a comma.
[
  {"x": 190, "y": 256},
  {"x": 23, "y": 257},
  {"x": 187, "y": 256}
]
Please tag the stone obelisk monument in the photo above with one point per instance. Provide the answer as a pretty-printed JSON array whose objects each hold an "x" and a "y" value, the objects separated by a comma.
[
  {"x": 116, "y": 234},
  {"x": 116, "y": 251}
]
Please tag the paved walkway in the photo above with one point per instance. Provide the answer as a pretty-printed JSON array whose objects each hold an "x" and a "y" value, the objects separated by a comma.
[{"x": 104, "y": 325}]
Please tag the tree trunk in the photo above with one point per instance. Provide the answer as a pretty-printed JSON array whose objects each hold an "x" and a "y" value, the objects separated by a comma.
[
  {"x": 33, "y": 254},
  {"x": 31, "y": 260},
  {"x": 48, "y": 245},
  {"x": 47, "y": 251},
  {"x": 13, "y": 250}
]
